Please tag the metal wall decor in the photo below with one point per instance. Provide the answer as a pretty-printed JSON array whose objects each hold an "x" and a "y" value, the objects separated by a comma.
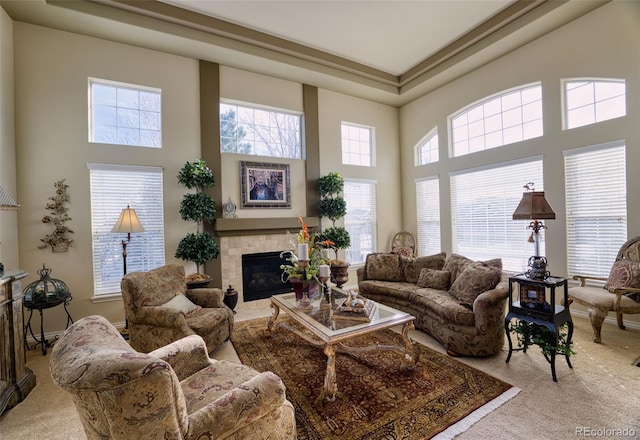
[{"x": 58, "y": 240}]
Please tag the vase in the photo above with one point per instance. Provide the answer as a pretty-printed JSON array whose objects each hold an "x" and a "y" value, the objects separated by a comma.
[
  {"x": 340, "y": 274},
  {"x": 313, "y": 288}
]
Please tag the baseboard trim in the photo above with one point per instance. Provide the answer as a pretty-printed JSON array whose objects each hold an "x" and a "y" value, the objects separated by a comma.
[{"x": 611, "y": 319}]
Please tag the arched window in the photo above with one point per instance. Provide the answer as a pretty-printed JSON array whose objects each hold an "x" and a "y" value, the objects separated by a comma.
[
  {"x": 502, "y": 119},
  {"x": 427, "y": 149}
]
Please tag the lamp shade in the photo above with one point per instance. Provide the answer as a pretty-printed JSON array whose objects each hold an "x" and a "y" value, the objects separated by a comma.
[
  {"x": 128, "y": 222},
  {"x": 534, "y": 206},
  {"x": 6, "y": 202}
]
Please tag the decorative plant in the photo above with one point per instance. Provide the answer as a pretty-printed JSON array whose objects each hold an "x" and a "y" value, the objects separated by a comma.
[
  {"x": 334, "y": 207},
  {"x": 534, "y": 334},
  {"x": 294, "y": 270},
  {"x": 58, "y": 239},
  {"x": 198, "y": 207}
]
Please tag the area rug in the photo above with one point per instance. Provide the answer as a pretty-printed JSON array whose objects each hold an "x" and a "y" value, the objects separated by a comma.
[{"x": 376, "y": 399}]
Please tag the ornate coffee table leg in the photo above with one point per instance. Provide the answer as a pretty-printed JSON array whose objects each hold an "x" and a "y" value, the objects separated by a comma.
[
  {"x": 274, "y": 316},
  {"x": 410, "y": 355},
  {"x": 330, "y": 385}
]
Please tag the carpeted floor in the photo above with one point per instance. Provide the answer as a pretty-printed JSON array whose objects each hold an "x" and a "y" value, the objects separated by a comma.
[{"x": 377, "y": 399}]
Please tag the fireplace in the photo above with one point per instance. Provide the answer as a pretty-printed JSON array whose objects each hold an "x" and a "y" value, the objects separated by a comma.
[{"x": 261, "y": 276}]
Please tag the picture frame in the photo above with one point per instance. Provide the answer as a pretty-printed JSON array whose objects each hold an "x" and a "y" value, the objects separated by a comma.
[
  {"x": 532, "y": 295},
  {"x": 265, "y": 185}
]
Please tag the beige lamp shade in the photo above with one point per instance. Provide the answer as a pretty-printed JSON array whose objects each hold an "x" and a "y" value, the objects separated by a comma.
[
  {"x": 6, "y": 202},
  {"x": 128, "y": 222},
  {"x": 534, "y": 206}
]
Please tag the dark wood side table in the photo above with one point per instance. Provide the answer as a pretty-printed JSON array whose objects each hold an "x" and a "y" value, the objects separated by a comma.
[
  {"x": 534, "y": 301},
  {"x": 40, "y": 306}
]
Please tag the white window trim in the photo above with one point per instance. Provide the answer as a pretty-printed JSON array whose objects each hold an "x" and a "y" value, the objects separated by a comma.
[
  {"x": 372, "y": 145},
  {"x": 426, "y": 138}
]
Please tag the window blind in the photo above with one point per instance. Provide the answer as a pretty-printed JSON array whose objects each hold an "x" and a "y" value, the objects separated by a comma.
[
  {"x": 482, "y": 205},
  {"x": 361, "y": 219},
  {"x": 596, "y": 204},
  {"x": 113, "y": 187},
  {"x": 428, "y": 209}
]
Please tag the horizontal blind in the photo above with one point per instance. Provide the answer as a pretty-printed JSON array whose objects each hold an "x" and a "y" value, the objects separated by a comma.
[
  {"x": 428, "y": 210},
  {"x": 596, "y": 203},
  {"x": 482, "y": 206},
  {"x": 113, "y": 187},
  {"x": 361, "y": 219}
]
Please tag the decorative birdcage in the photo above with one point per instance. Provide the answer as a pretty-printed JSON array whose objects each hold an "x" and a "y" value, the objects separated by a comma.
[{"x": 46, "y": 289}]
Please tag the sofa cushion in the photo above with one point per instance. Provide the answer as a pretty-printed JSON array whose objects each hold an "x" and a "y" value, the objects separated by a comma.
[
  {"x": 624, "y": 273},
  {"x": 383, "y": 267},
  {"x": 182, "y": 303},
  {"x": 456, "y": 264},
  {"x": 476, "y": 278},
  {"x": 411, "y": 267},
  {"x": 444, "y": 305},
  {"x": 434, "y": 279}
]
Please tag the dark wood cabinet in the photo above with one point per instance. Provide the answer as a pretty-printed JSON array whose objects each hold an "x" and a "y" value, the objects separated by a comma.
[{"x": 16, "y": 380}]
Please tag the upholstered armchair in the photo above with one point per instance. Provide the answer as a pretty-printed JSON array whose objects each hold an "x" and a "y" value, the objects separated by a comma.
[
  {"x": 160, "y": 309},
  {"x": 174, "y": 392},
  {"x": 621, "y": 292}
]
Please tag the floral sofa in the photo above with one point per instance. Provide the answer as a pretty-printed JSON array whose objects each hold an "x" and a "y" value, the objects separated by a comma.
[
  {"x": 458, "y": 301},
  {"x": 174, "y": 392}
]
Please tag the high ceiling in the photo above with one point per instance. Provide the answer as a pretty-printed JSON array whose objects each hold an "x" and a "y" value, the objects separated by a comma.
[{"x": 389, "y": 51}]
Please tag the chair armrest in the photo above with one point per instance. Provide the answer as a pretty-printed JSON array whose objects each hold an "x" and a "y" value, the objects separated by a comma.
[
  {"x": 162, "y": 317},
  {"x": 583, "y": 279},
  {"x": 361, "y": 274},
  {"x": 186, "y": 356},
  {"x": 240, "y": 406},
  {"x": 208, "y": 298}
]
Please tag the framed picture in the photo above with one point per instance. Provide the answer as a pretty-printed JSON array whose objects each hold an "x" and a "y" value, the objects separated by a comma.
[{"x": 265, "y": 185}]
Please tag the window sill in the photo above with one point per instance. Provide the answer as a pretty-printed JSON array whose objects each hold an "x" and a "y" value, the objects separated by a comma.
[{"x": 107, "y": 297}]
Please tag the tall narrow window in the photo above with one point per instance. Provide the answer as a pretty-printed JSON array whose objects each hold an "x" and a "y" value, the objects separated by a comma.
[
  {"x": 503, "y": 119},
  {"x": 113, "y": 187},
  {"x": 428, "y": 207},
  {"x": 124, "y": 114},
  {"x": 596, "y": 203},
  {"x": 482, "y": 205},
  {"x": 361, "y": 220},
  {"x": 587, "y": 102},
  {"x": 427, "y": 149},
  {"x": 249, "y": 129},
  {"x": 357, "y": 145}
]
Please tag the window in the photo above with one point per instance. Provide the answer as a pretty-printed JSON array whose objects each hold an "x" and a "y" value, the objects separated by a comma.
[
  {"x": 124, "y": 114},
  {"x": 428, "y": 204},
  {"x": 357, "y": 145},
  {"x": 246, "y": 129},
  {"x": 360, "y": 220},
  {"x": 588, "y": 102},
  {"x": 113, "y": 187},
  {"x": 482, "y": 205},
  {"x": 427, "y": 149},
  {"x": 596, "y": 203},
  {"x": 503, "y": 119}
]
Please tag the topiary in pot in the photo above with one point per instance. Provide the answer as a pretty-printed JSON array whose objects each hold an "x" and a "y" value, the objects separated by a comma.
[
  {"x": 198, "y": 207},
  {"x": 334, "y": 207}
]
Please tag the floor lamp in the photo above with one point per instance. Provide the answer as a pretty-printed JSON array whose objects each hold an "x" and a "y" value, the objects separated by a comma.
[
  {"x": 127, "y": 223},
  {"x": 6, "y": 204}
]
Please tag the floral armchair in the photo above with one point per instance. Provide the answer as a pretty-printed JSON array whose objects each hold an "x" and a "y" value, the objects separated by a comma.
[
  {"x": 160, "y": 309},
  {"x": 174, "y": 392},
  {"x": 621, "y": 292}
]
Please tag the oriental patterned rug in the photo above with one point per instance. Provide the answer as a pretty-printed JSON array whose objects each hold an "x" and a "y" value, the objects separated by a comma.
[{"x": 376, "y": 398}]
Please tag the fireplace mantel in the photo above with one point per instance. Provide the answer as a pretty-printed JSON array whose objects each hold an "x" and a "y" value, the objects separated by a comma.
[{"x": 226, "y": 227}]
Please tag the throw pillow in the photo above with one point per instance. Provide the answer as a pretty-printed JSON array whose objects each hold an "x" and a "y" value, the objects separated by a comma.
[
  {"x": 182, "y": 303},
  {"x": 411, "y": 267},
  {"x": 383, "y": 267},
  {"x": 476, "y": 278},
  {"x": 456, "y": 264},
  {"x": 624, "y": 273},
  {"x": 434, "y": 279}
]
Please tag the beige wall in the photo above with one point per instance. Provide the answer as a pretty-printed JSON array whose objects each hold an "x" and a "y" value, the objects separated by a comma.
[{"x": 603, "y": 44}]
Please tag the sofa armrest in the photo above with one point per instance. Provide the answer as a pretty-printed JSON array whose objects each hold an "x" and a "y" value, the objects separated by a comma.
[
  {"x": 361, "y": 274},
  {"x": 186, "y": 356},
  {"x": 489, "y": 307},
  {"x": 240, "y": 406},
  {"x": 208, "y": 298}
]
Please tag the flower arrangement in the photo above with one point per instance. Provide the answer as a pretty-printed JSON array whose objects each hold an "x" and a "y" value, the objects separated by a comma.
[{"x": 305, "y": 257}]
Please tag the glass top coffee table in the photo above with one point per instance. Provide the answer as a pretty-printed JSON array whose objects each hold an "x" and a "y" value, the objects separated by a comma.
[{"x": 330, "y": 332}]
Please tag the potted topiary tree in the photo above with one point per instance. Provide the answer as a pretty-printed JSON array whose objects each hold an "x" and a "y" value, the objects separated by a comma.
[
  {"x": 200, "y": 246},
  {"x": 334, "y": 207}
]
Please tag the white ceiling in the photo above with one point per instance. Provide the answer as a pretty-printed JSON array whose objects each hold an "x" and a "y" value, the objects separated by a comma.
[
  {"x": 392, "y": 36},
  {"x": 387, "y": 51}
]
